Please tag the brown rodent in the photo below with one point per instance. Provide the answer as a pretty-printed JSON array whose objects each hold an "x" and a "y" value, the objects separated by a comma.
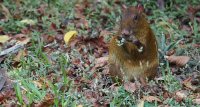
[{"x": 133, "y": 50}]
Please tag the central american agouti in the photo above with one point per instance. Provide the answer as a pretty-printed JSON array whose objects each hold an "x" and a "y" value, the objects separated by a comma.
[{"x": 133, "y": 51}]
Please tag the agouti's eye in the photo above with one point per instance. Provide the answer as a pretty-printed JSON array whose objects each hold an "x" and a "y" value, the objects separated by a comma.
[{"x": 135, "y": 17}]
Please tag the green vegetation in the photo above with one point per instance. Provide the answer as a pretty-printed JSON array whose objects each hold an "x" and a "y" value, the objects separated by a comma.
[{"x": 55, "y": 74}]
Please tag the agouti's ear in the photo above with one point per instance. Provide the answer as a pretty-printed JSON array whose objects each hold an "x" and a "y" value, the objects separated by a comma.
[
  {"x": 124, "y": 7},
  {"x": 140, "y": 8}
]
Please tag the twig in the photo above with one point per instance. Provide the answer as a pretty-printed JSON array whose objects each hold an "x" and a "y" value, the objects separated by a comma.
[{"x": 12, "y": 49}]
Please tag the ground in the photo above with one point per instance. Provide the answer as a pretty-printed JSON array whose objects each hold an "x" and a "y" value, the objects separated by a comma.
[{"x": 40, "y": 69}]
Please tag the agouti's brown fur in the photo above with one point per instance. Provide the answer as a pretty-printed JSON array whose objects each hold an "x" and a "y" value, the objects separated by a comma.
[{"x": 137, "y": 57}]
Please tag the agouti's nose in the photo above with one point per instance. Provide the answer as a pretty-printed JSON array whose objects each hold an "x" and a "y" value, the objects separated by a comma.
[{"x": 125, "y": 32}]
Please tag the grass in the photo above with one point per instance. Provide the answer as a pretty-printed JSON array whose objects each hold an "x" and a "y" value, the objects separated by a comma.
[{"x": 41, "y": 74}]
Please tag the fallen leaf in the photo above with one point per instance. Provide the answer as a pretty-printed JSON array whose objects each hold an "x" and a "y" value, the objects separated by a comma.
[
  {"x": 151, "y": 98},
  {"x": 196, "y": 101},
  {"x": 20, "y": 36},
  {"x": 99, "y": 62},
  {"x": 46, "y": 102},
  {"x": 48, "y": 38},
  {"x": 187, "y": 83},
  {"x": 69, "y": 36},
  {"x": 4, "y": 38},
  {"x": 182, "y": 94},
  {"x": 83, "y": 23},
  {"x": 2, "y": 58},
  {"x": 22, "y": 39},
  {"x": 141, "y": 104},
  {"x": 20, "y": 54},
  {"x": 130, "y": 86},
  {"x": 28, "y": 21},
  {"x": 80, "y": 105},
  {"x": 25, "y": 41},
  {"x": 196, "y": 45},
  {"x": 5, "y": 95},
  {"x": 38, "y": 84},
  {"x": 171, "y": 52},
  {"x": 5, "y": 11},
  {"x": 178, "y": 60}
]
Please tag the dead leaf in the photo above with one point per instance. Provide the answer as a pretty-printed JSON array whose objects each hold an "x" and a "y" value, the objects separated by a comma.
[
  {"x": 4, "y": 38},
  {"x": 47, "y": 102},
  {"x": 151, "y": 98},
  {"x": 22, "y": 39},
  {"x": 99, "y": 62},
  {"x": 178, "y": 60},
  {"x": 5, "y": 11},
  {"x": 42, "y": 8},
  {"x": 196, "y": 101},
  {"x": 83, "y": 23},
  {"x": 196, "y": 45},
  {"x": 187, "y": 83},
  {"x": 171, "y": 52},
  {"x": 130, "y": 86},
  {"x": 53, "y": 26},
  {"x": 2, "y": 58},
  {"x": 25, "y": 41},
  {"x": 38, "y": 84},
  {"x": 105, "y": 33},
  {"x": 182, "y": 94},
  {"x": 59, "y": 37},
  {"x": 48, "y": 38},
  {"x": 69, "y": 36},
  {"x": 20, "y": 54},
  {"x": 5, "y": 95},
  {"x": 141, "y": 104},
  {"x": 80, "y": 105},
  {"x": 28, "y": 21}
]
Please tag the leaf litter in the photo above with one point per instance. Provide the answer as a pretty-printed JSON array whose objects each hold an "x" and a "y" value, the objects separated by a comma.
[{"x": 89, "y": 63}]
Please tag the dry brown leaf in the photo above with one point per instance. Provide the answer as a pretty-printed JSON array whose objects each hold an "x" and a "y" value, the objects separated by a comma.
[
  {"x": 151, "y": 98},
  {"x": 130, "y": 87},
  {"x": 178, "y": 60},
  {"x": 80, "y": 105},
  {"x": 141, "y": 104},
  {"x": 4, "y": 95},
  {"x": 25, "y": 41},
  {"x": 47, "y": 102},
  {"x": 182, "y": 94},
  {"x": 187, "y": 83},
  {"x": 20, "y": 54},
  {"x": 38, "y": 84},
  {"x": 5, "y": 11},
  {"x": 99, "y": 62},
  {"x": 105, "y": 33},
  {"x": 196, "y": 101}
]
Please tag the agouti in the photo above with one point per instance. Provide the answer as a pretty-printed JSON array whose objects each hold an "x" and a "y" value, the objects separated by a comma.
[{"x": 133, "y": 50}]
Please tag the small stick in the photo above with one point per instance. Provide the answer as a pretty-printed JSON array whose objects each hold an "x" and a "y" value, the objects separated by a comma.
[{"x": 13, "y": 49}]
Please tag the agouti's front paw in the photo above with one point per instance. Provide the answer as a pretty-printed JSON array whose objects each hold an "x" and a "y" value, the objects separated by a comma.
[
  {"x": 139, "y": 45},
  {"x": 120, "y": 41}
]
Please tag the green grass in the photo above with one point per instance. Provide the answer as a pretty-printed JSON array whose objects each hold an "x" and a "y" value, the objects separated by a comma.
[{"x": 53, "y": 68}]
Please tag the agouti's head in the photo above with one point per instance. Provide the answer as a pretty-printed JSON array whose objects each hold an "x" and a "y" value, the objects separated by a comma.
[{"x": 132, "y": 21}]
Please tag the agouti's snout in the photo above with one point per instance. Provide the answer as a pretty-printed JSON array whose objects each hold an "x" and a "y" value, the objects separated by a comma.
[{"x": 126, "y": 32}]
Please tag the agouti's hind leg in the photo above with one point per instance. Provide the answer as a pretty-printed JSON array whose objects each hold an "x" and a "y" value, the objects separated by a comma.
[{"x": 115, "y": 73}]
